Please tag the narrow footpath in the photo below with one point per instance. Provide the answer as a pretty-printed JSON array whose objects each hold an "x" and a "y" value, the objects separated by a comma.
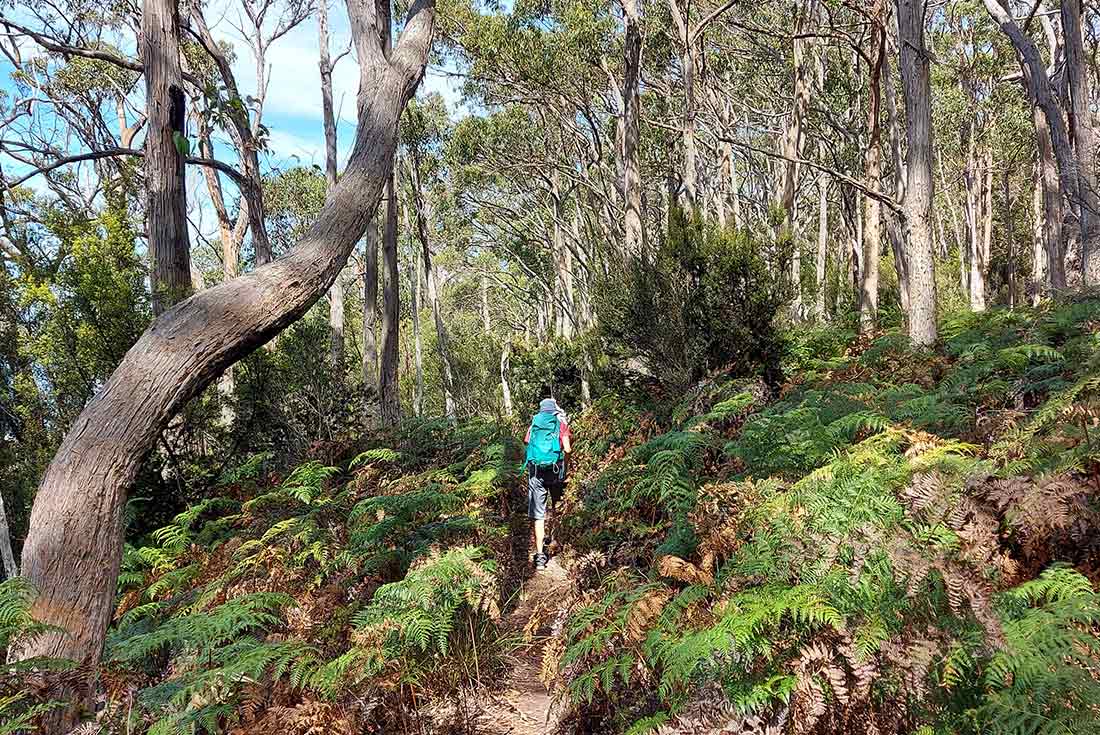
[{"x": 522, "y": 705}]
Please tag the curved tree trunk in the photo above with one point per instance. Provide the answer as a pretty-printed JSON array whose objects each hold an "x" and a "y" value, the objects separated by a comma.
[
  {"x": 1042, "y": 97},
  {"x": 73, "y": 549}
]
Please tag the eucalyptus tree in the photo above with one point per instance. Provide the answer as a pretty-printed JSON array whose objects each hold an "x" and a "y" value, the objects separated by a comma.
[
  {"x": 73, "y": 549},
  {"x": 422, "y": 130}
]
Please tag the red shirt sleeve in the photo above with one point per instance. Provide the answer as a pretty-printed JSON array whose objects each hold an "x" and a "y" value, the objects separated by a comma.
[
  {"x": 527, "y": 439},
  {"x": 564, "y": 432}
]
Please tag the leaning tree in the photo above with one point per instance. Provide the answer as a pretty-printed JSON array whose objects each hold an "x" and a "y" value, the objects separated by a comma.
[{"x": 73, "y": 549}]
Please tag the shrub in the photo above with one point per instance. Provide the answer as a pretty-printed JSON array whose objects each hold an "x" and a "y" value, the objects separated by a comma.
[{"x": 707, "y": 299}]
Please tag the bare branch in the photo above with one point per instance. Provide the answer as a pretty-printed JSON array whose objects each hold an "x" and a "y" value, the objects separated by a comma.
[
  {"x": 886, "y": 199},
  {"x": 225, "y": 168}
]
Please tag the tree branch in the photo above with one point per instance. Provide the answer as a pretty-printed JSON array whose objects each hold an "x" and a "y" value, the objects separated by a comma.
[
  {"x": 66, "y": 50},
  {"x": 222, "y": 166},
  {"x": 702, "y": 26},
  {"x": 893, "y": 204}
]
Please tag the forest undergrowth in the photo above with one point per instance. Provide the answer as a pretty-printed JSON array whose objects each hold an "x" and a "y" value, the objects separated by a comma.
[{"x": 892, "y": 541}]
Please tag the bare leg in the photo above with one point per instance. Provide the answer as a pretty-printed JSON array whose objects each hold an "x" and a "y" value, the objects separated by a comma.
[{"x": 540, "y": 533}]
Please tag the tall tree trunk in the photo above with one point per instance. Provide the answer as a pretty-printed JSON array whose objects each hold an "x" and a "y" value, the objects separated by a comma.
[
  {"x": 505, "y": 387},
  {"x": 564, "y": 302},
  {"x": 166, "y": 194},
  {"x": 893, "y": 225},
  {"x": 6, "y": 555},
  {"x": 74, "y": 546},
  {"x": 418, "y": 347},
  {"x": 792, "y": 150},
  {"x": 371, "y": 374},
  {"x": 1010, "y": 239},
  {"x": 634, "y": 215},
  {"x": 872, "y": 172},
  {"x": 987, "y": 221},
  {"x": 975, "y": 219},
  {"x": 1054, "y": 241},
  {"x": 1042, "y": 97},
  {"x": 442, "y": 340},
  {"x": 689, "y": 172},
  {"x": 1084, "y": 144},
  {"x": 822, "y": 244},
  {"x": 244, "y": 139},
  {"x": 336, "y": 293},
  {"x": 1039, "y": 277},
  {"x": 388, "y": 386},
  {"x": 919, "y": 183}
]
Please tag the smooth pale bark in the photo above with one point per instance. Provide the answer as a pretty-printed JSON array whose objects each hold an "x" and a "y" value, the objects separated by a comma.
[
  {"x": 792, "y": 151},
  {"x": 1084, "y": 143},
  {"x": 166, "y": 194},
  {"x": 11, "y": 569},
  {"x": 634, "y": 213},
  {"x": 371, "y": 377},
  {"x": 505, "y": 387},
  {"x": 822, "y": 244},
  {"x": 1010, "y": 238},
  {"x": 74, "y": 546},
  {"x": 564, "y": 301},
  {"x": 1054, "y": 242},
  {"x": 986, "y": 243},
  {"x": 689, "y": 39},
  {"x": 328, "y": 116},
  {"x": 919, "y": 183},
  {"x": 442, "y": 339},
  {"x": 893, "y": 224},
  {"x": 974, "y": 261},
  {"x": 388, "y": 387},
  {"x": 418, "y": 347},
  {"x": 872, "y": 174},
  {"x": 586, "y": 316},
  {"x": 1039, "y": 278}
]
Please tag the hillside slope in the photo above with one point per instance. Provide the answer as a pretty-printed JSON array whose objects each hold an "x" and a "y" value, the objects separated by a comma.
[{"x": 892, "y": 542}]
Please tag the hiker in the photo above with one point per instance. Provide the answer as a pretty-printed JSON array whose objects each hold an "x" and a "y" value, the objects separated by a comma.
[{"x": 548, "y": 446}]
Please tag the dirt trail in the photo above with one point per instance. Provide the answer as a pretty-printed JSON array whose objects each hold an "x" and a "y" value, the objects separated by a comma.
[{"x": 522, "y": 705}]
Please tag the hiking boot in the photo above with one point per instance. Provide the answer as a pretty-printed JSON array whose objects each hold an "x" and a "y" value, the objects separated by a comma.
[{"x": 540, "y": 561}]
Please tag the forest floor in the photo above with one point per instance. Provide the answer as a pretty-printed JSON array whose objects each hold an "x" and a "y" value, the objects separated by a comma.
[
  {"x": 393, "y": 590},
  {"x": 521, "y": 703}
]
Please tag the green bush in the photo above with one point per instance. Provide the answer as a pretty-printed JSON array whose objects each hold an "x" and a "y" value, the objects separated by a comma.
[{"x": 706, "y": 300}]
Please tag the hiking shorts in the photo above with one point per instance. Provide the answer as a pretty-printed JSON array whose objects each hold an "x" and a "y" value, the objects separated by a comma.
[{"x": 544, "y": 488}]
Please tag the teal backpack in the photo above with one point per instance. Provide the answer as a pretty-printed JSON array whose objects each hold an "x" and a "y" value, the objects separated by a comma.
[{"x": 544, "y": 448}]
